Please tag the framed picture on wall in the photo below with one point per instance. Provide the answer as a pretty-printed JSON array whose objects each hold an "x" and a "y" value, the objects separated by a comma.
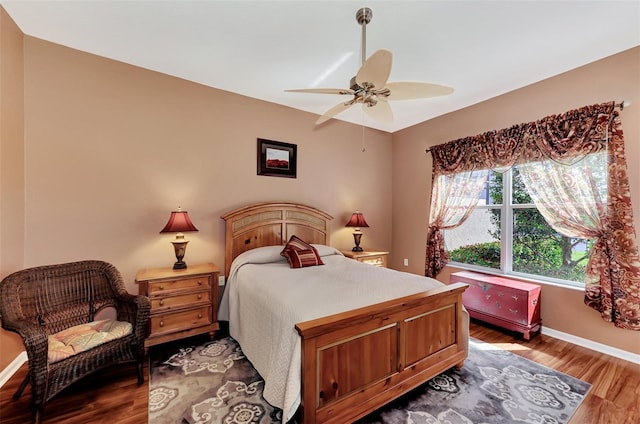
[{"x": 277, "y": 159}]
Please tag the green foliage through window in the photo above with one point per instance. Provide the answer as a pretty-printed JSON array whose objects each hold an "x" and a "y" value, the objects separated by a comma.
[{"x": 536, "y": 248}]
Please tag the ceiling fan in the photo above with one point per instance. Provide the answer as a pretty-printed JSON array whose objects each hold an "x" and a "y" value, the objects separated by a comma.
[{"x": 370, "y": 86}]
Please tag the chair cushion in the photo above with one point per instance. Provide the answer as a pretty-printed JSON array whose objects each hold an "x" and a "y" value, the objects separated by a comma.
[{"x": 84, "y": 337}]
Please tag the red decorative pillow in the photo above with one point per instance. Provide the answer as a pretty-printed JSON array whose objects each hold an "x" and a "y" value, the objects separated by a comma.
[
  {"x": 303, "y": 258},
  {"x": 300, "y": 254}
]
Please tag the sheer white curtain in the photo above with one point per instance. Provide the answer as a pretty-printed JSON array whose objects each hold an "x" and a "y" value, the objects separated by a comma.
[
  {"x": 453, "y": 198},
  {"x": 572, "y": 198}
]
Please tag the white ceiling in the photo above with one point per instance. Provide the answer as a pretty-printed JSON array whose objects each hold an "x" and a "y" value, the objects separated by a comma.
[{"x": 260, "y": 48}]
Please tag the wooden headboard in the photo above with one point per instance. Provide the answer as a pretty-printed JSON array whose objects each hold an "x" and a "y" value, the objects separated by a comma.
[{"x": 268, "y": 224}]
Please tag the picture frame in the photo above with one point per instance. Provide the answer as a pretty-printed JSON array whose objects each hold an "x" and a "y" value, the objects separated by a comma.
[{"x": 277, "y": 159}]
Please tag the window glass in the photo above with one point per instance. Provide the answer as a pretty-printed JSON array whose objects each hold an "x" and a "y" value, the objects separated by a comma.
[
  {"x": 540, "y": 250},
  {"x": 519, "y": 192},
  {"x": 474, "y": 242},
  {"x": 493, "y": 192},
  {"x": 506, "y": 232}
]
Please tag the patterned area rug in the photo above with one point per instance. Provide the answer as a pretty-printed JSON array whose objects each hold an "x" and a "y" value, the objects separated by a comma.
[
  {"x": 209, "y": 383},
  {"x": 215, "y": 383}
]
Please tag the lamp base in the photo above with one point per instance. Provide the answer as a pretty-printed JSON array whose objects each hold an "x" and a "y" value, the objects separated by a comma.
[
  {"x": 357, "y": 235},
  {"x": 180, "y": 245},
  {"x": 180, "y": 265}
]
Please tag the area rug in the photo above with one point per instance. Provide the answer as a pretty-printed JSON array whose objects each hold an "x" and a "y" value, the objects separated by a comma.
[{"x": 213, "y": 382}]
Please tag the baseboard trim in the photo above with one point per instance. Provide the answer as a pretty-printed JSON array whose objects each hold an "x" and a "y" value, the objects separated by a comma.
[
  {"x": 590, "y": 344},
  {"x": 13, "y": 367}
]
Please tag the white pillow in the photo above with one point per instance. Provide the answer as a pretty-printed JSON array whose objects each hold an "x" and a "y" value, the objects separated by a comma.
[
  {"x": 271, "y": 254},
  {"x": 260, "y": 255},
  {"x": 326, "y": 250}
]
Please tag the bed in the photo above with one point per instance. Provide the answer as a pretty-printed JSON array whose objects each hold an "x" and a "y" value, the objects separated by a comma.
[{"x": 330, "y": 358}]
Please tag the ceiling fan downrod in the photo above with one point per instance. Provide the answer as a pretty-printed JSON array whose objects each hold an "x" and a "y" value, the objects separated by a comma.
[
  {"x": 363, "y": 94},
  {"x": 363, "y": 16}
]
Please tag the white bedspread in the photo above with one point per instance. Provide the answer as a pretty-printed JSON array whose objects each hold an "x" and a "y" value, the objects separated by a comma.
[{"x": 264, "y": 299}]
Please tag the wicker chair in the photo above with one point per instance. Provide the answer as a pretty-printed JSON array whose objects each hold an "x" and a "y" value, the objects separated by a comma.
[{"x": 42, "y": 301}]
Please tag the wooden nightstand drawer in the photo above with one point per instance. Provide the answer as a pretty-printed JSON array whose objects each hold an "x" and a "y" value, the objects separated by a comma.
[
  {"x": 181, "y": 320},
  {"x": 368, "y": 257},
  {"x": 183, "y": 302},
  {"x": 185, "y": 284},
  {"x": 377, "y": 260},
  {"x": 173, "y": 302}
]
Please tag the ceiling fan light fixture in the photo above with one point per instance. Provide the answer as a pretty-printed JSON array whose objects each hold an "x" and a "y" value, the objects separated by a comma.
[{"x": 371, "y": 84}]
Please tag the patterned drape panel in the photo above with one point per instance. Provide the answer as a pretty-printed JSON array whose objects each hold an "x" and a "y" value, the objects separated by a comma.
[{"x": 613, "y": 272}]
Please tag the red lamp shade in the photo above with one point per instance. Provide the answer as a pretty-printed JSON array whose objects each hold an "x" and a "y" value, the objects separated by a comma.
[
  {"x": 357, "y": 220},
  {"x": 179, "y": 222}
]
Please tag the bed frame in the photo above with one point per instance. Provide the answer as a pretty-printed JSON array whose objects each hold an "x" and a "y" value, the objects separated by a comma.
[{"x": 356, "y": 361}]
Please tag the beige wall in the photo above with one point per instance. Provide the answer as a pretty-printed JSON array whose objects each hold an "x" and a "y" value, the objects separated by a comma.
[
  {"x": 11, "y": 165},
  {"x": 614, "y": 78},
  {"x": 111, "y": 149}
]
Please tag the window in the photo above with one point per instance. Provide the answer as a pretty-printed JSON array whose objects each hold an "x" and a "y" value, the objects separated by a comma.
[
  {"x": 506, "y": 233},
  {"x": 575, "y": 169}
]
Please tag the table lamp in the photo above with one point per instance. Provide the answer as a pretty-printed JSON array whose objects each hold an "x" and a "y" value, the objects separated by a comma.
[
  {"x": 357, "y": 220},
  {"x": 180, "y": 223}
]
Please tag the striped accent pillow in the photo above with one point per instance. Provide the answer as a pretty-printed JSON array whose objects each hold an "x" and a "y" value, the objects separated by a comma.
[
  {"x": 300, "y": 254},
  {"x": 303, "y": 258}
]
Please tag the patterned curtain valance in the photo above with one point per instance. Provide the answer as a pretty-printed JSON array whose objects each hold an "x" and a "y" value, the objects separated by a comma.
[{"x": 563, "y": 138}]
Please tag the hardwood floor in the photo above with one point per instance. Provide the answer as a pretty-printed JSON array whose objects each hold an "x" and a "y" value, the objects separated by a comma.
[
  {"x": 614, "y": 397},
  {"x": 114, "y": 397}
]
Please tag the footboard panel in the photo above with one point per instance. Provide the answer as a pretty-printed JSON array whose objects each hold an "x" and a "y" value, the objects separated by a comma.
[
  {"x": 355, "y": 362},
  {"x": 429, "y": 332},
  {"x": 349, "y": 364}
]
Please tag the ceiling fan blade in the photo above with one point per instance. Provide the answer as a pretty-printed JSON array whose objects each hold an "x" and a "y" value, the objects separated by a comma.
[
  {"x": 340, "y": 107},
  {"x": 323, "y": 90},
  {"x": 381, "y": 112},
  {"x": 416, "y": 90},
  {"x": 376, "y": 69}
]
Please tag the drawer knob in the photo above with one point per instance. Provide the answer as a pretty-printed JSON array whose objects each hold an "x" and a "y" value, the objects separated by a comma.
[
  {"x": 161, "y": 323},
  {"x": 199, "y": 296},
  {"x": 199, "y": 316},
  {"x": 161, "y": 287},
  {"x": 199, "y": 282},
  {"x": 161, "y": 302}
]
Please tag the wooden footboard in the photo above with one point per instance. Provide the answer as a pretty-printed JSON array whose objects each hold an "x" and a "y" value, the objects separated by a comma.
[{"x": 357, "y": 361}]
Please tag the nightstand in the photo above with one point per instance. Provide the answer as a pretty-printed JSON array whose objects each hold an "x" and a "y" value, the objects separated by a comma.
[
  {"x": 183, "y": 301},
  {"x": 368, "y": 257}
]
